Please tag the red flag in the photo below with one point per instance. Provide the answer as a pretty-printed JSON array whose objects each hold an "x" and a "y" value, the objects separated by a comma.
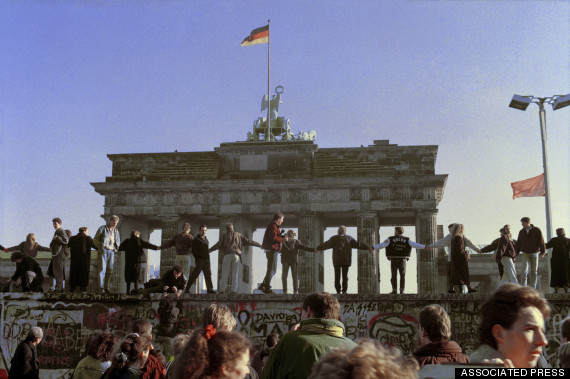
[
  {"x": 532, "y": 187},
  {"x": 259, "y": 35}
]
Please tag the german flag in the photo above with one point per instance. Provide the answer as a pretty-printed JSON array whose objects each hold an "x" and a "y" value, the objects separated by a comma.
[{"x": 259, "y": 35}]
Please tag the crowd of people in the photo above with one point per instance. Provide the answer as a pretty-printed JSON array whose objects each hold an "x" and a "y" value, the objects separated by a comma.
[
  {"x": 529, "y": 246},
  {"x": 511, "y": 334}
]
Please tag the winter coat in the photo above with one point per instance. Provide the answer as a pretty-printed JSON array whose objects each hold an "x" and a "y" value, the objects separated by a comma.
[
  {"x": 290, "y": 250},
  {"x": 272, "y": 238},
  {"x": 441, "y": 352},
  {"x": 530, "y": 242},
  {"x": 342, "y": 246},
  {"x": 25, "y": 363}
]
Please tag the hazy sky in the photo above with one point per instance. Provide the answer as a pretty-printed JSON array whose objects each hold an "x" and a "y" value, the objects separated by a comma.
[{"x": 83, "y": 79}]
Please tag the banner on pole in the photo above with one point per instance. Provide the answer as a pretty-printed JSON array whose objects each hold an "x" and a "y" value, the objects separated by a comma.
[{"x": 532, "y": 187}]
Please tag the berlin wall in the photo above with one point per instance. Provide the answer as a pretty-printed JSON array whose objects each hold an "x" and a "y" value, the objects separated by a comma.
[{"x": 69, "y": 319}]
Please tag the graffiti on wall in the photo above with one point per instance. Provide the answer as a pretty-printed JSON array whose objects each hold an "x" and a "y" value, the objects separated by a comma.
[{"x": 393, "y": 320}]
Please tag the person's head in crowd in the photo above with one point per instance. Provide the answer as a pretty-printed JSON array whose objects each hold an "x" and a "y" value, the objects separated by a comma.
[
  {"x": 101, "y": 346},
  {"x": 177, "y": 269},
  {"x": 560, "y": 232},
  {"x": 450, "y": 227},
  {"x": 31, "y": 237},
  {"x": 135, "y": 234},
  {"x": 143, "y": 328},
  {"x": 525, "y": 222},
  {"x": 84, "y": 230},
  {"x": 68, "y": 232},
  {"x": 341, "y": 230},
  {"x": 271, "y": 340},
  {"x": 435, "y": 326},
  {"x": 17, "y": 257},
  {"x": 512, "y": 322},
  {"x": 132, "y": 353},
  {"x": 398, "y": 230},
  {"x": 214, "y": 354},
  {"x": 186, "y": 228},
  {"x": 321, "y": 305},
  {"x": 35, "y": 335},
  {"x": 56, "y": 222},
  {"x": 278, "y": 217},
  {"x": 565, "y": 330},
  {"x": 113, "y": 221},
  {"x": 457, "y": 230},
  {"x": 229, "y": 227},
  {"x": 368, "y": 360},
  {"x": 507, "y": 230},
  {"x": 179, "y": 343},
  {"x": 218, "y": 315}
]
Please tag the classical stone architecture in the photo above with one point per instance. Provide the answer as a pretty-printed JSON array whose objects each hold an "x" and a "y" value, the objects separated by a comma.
[{"x": 381, "y": 184}]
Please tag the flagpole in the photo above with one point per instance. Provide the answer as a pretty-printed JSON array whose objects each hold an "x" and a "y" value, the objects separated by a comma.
[{"x": 268, "y": 134}]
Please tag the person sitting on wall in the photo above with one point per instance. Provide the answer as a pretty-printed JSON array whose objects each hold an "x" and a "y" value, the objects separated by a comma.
[
  {"x": 434, "y": 334},
  {"x": 172, "y": 281},
  {"x": 28, "y": 273}
]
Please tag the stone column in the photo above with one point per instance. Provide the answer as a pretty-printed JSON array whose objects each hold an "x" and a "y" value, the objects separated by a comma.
[
  {"x": 311, "y": 266},
  {"x": 169, "y": 229},
  {"x": 426, "y": 233},
  {"x": 243, "y": 226},
  {"x": 368, "y": 233}
]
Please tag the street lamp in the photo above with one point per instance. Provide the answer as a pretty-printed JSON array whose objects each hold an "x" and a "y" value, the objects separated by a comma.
[{"x": 557, "y": 102}]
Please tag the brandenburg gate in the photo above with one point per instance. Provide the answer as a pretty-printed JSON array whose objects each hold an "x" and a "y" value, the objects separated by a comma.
[{"x": 245, "y": 182}]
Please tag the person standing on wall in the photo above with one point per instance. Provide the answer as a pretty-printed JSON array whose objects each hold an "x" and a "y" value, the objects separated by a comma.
[
  {"x": 182, "y": 243},
  {"x": 560, "y": 262},
  {"x": 80, "y": 246},
  {"x": 134, "y": 257},
  {"x": 342, "y": 245},
  {"x": 230, "y": 247},
  {"x": 202, "y": 255},
  {"x": 58, "y": 253},
  {"x": 290, "y": 259},
  {"x": 107, "y": 239},
  {"x": 272, "y": 240},
  {"x": 398, "y": 249},
  {"x": 530, "y": 242}
]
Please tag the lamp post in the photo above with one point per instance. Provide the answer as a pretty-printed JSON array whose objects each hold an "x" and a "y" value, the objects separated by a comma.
[{"x": 558, "y": 102}]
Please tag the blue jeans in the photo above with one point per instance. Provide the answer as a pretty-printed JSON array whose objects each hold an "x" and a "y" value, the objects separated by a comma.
[
  {"x": 530, "y": 266},
  {"x": 106, "y": 263}
]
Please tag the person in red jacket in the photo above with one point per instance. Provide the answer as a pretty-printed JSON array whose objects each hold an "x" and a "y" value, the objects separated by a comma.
[
  {"x": 434, "y": 333},
  {"x": 272, "y": 245}
]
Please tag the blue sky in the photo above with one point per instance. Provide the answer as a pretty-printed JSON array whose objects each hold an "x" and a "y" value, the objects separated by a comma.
[{"x": 82, "y": 79}]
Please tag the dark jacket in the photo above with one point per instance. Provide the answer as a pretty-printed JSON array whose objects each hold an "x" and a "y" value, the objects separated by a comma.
[
  {"x": 272, "y": 238},
  {"x": 200, "y": 248},
  {"x": 182, "y": 242},
  {"x": 232, "y": 243},
  {"x": 80, "y": 246},
  {"x": 133, "y": 248},
  {"x": 506, "y": 248},
  {"x": 29, "y": 249},
  {"x": 168, "y": 279},
  {"x": 559, "y": 244},
  {"x": 290, "y": 251},
  {"x": 530, "y": 242},
  {"x": 437, "y": 353},
  {"x": 342, "y": 246},
  {"x": 59, "y": 242},
  {"x": 25, "y": 363}
]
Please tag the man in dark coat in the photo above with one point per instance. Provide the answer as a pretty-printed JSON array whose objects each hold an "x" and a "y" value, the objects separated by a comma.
[
  {"x": 58, "y": 254},
  {"x": 272, "y": 240},
  {"x": 342, "y": 246},
  {"x": 134, "y": 256},
  {"x": 434, "y": 333},
  {"x": 28, "y": 273},
  {"x": 80, "y": 246},
  {"x": 25, "y": 363},
  {"x": 172, "y": 281},
  {"x": 201, "y": 253},
  {"x": 560, "y": 263}
]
